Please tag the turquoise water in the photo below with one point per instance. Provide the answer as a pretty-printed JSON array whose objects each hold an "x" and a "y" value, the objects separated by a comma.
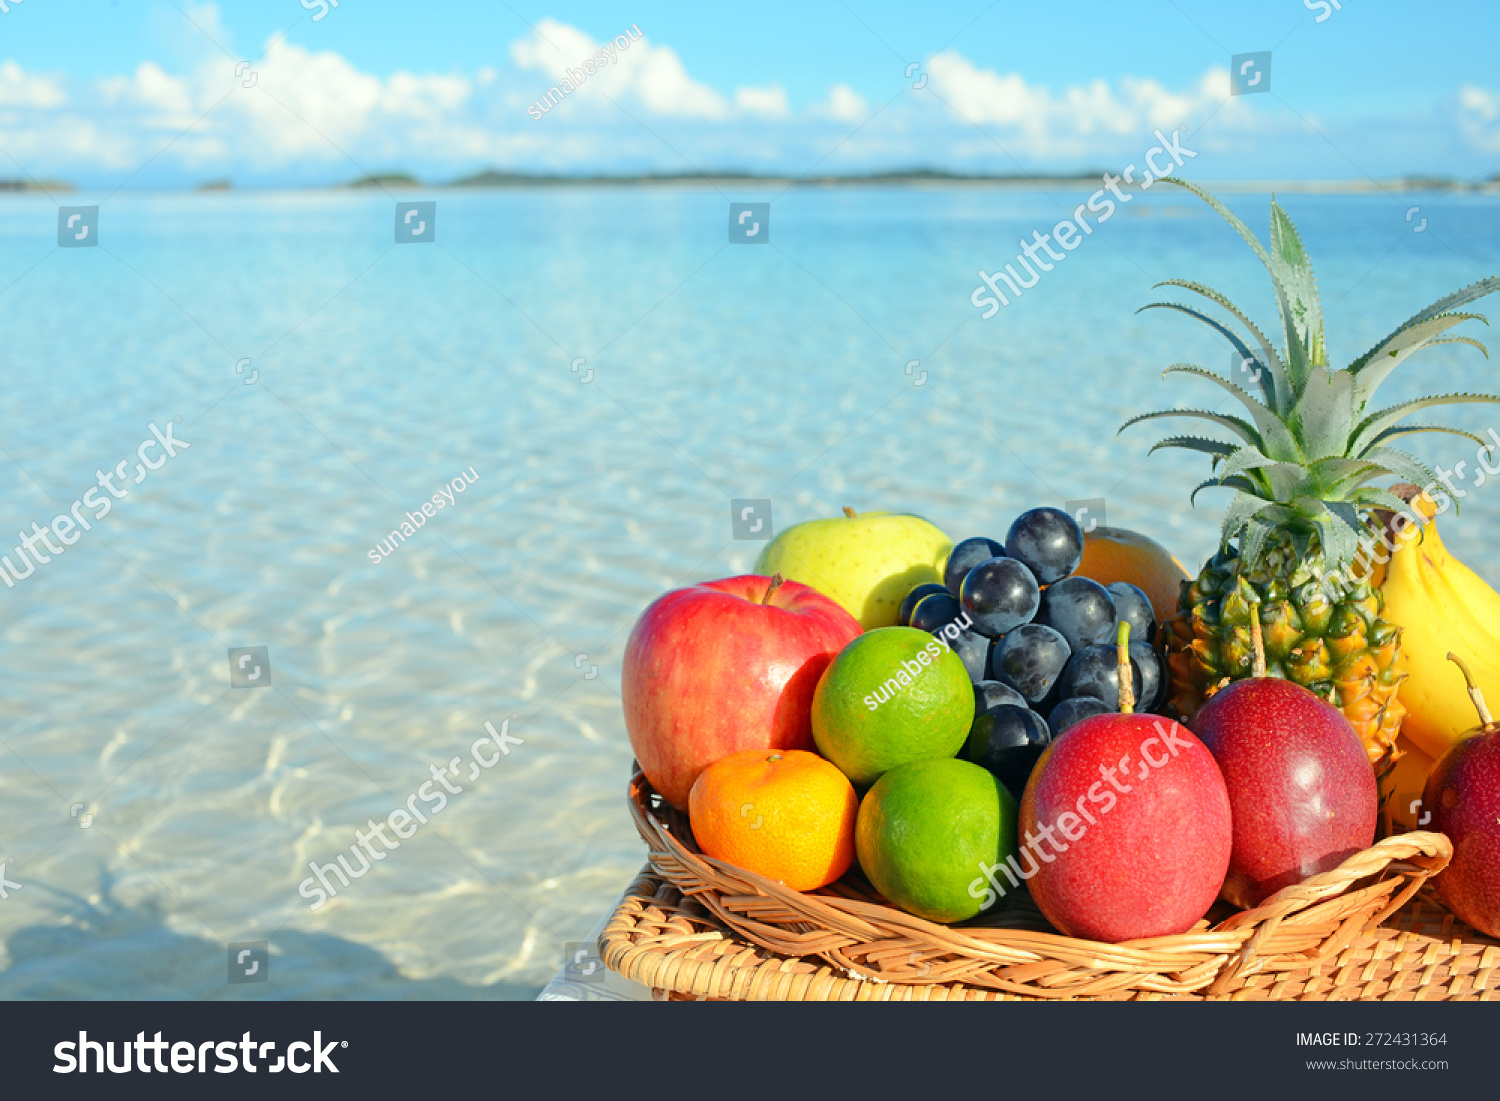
[{"x": 382, "y": 373}]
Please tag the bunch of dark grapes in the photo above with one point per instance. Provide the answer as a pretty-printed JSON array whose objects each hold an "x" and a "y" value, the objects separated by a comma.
[{"x": 1038, "y": 641}]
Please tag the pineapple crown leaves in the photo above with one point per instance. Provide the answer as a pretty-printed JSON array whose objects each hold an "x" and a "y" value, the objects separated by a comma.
[{"x": 1303, "y": 462}]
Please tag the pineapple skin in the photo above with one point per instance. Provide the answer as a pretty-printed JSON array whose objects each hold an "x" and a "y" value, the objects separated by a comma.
[{"x": 1324, "y": 637}]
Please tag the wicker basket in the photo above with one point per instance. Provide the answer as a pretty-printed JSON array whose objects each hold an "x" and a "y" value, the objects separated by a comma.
[
  {"x": 1014, "y": 951},
  {"x": 683, "y": 953}
]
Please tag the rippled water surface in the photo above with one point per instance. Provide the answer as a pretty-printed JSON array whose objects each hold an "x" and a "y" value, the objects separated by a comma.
[{"x": 613, "y": 373}]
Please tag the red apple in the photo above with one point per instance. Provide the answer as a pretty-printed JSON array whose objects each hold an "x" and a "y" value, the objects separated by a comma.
[
  {"x": 1125, "y": 829},
  {"x": 1301, "y": 788},
  {"x": 724, "y": 666},
  {"x": 1463, "y": 795}
]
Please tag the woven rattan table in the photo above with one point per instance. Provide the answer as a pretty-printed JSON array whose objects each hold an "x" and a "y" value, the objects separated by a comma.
[{"x": 677, "y": 948}]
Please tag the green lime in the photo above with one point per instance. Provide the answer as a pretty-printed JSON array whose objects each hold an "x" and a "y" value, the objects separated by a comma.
[
  {"x": 893, "y": 695},
  {"x": 927, "y": 833}
]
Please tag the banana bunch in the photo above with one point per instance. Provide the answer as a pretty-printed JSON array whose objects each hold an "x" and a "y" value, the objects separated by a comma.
[{"x": 1440, "y": 605}]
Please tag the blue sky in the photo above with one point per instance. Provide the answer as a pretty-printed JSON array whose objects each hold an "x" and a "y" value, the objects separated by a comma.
[{"x": 145, "y": 91}]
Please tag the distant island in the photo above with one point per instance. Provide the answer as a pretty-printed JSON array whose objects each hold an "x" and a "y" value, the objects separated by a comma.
[
  {"x": 35, "y": 185},
  {"x": 494, "y": 178},
  {"x": 386, "y": 179}
]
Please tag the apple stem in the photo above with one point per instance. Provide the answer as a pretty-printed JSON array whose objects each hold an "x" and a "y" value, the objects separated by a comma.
[
  {"x": 776, "y": 582},
  {"x": 1474, "y": 693},
  {"x": 1126, "y": 675},
  {"x": 849, "y": 512}
]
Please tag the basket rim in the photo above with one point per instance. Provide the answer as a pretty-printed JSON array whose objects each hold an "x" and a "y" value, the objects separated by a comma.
[{"x": 1235, "y": 946}]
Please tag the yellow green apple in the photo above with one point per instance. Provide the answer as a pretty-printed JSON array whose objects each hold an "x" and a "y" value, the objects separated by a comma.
[{"x": 866, "y": 562}]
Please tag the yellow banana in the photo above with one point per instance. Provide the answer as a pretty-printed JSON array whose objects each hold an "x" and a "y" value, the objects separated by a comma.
[
  {"x": 1402, "y": 788},
  {"x": 1440, "y": 605}
]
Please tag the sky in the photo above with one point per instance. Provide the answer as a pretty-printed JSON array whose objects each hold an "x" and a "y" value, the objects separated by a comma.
[{"x": 277, "y": 93}]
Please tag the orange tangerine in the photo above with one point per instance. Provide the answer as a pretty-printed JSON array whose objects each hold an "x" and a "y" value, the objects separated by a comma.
[
  {"x": 787, "y": 814},
  {"x": 1117, "y": 554}
]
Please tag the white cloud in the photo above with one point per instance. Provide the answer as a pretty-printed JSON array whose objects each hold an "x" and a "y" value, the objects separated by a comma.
[
  {"x": 664, "y": 87},
  {"x": 69, "y": 139},
  {"x": 769, "y": 102},
  {"x": 1156, "y": 106},
  {"x": 312, "y": 114},
  {"x": 844, "y": 105},
  {"x": 306, "y": 101},
  {"x": 983, "y": 95},
  {"x": 318, "y": 105},
  {"x": 1479, "y": 117},
  {"x": 650, "y": 76},
  {"x": 20, "y": 89},
  {"x": 1074, "y": 120},
  {"x": 150, "y": 86},
  {"x": 553, "y": 49},
  {"x": 207, "y": 26}
]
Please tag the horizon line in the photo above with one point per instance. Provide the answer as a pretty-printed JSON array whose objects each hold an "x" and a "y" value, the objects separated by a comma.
[{"x": 493, "y": 179}]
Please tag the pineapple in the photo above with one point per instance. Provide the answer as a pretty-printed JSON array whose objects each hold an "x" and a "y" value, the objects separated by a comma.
[{"x": 1301, "y": 468}]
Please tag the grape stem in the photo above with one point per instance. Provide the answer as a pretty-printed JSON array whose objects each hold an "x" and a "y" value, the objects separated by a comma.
[
  {"x": 1474, "y": 693},
  {"x": 1126, "y": 676}
]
